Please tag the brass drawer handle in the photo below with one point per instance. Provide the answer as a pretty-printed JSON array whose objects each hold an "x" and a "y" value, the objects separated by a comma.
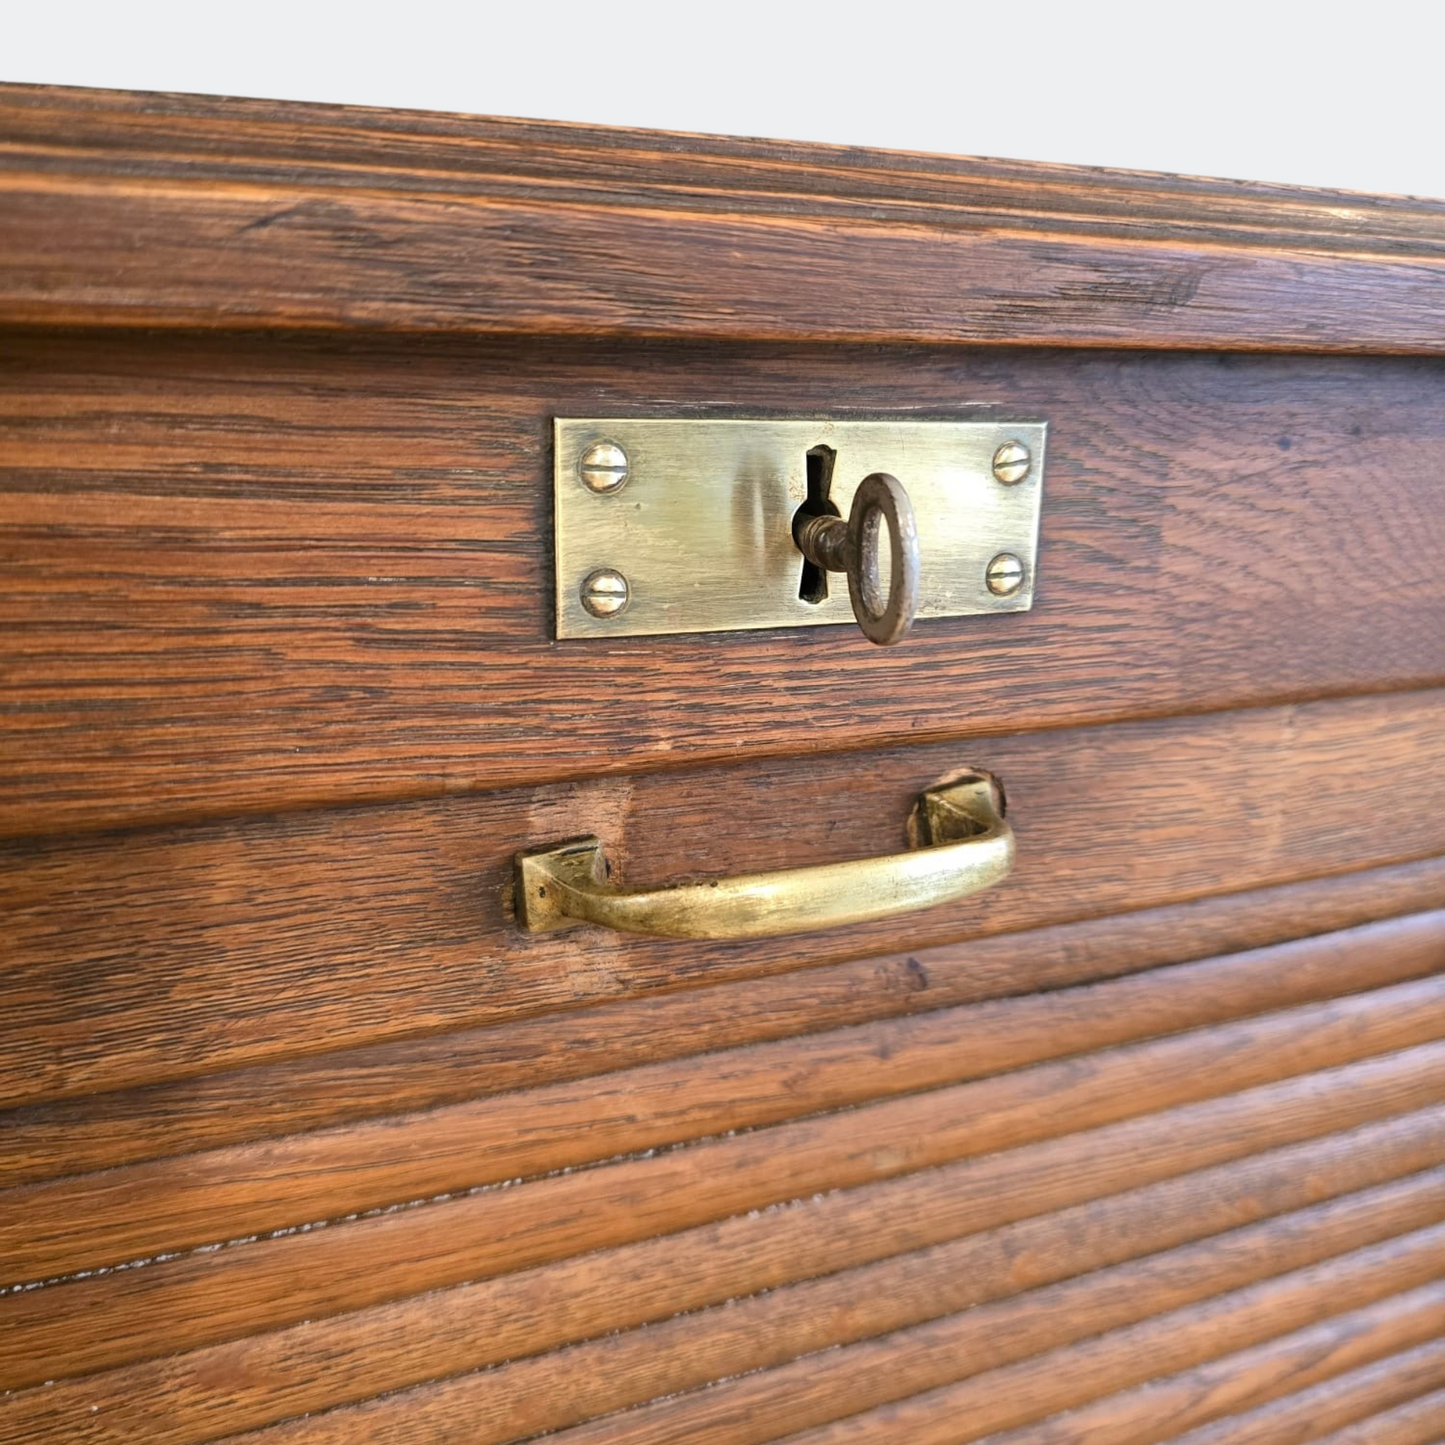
[{"x": 961, "y": 845}]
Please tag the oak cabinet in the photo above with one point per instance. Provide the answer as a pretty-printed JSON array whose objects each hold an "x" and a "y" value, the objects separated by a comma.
[{"x": 307, "y": 1140}]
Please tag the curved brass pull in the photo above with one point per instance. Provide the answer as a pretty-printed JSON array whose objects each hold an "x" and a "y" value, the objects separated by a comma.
[{"x": 961, "y": 846}]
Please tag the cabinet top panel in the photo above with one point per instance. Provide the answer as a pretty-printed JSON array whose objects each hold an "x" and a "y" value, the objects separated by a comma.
[{"x": 145, "y": 209}]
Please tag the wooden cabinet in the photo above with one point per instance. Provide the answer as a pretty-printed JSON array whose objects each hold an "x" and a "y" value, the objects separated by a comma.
[{"x": 305, "y": 1140}]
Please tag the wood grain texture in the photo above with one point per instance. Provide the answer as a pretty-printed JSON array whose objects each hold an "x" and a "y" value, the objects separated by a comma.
[
  {"x": 1421, "y": 1422},
  {"x": 212, "y": 1295},
  {"x": 820, "y": 1254},
  {"x": 496, "y": 1416},
  {"x": 187, "y": 211},
  {"x": 1019, "y": 1357},
  {"x": 138, "y": 958},
  {"x": 250, "y": 574},
  {"x": 1344, "y": 1401},
  {"x": 307, "y": 1142},
  {"x": 97, "y": 1131},
  {"x": 140, "y": 1210},
  {"x": 1158, "y": 1411}
]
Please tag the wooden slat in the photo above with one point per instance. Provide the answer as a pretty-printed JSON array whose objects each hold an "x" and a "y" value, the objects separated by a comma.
[
  {"x": 98, "y": 1131},
  {"x": 169, "y": 1305},
  {"x": 1032, "y": 1385},
  {"x": 1421, "y": 1422},
  {"x": 316, "y": 1366},
  {"x": 1336, "y": 1404},
  {"x": 357, "y": 541},
  {"x": 182, "y": 211},
  {"x": 140, "y": 958},
  {"x": 174, "y": 1204},
  {"x": 989, "y": 1338},
  {"x": 1161, "y": 1410},
  {"x": 1154, "y": 1413}
]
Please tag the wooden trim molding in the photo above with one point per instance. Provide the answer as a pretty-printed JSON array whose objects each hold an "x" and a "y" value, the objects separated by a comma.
[{"x": 168, "y": 210}]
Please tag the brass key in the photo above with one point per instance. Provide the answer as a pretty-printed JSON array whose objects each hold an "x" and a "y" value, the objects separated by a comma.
[{"x": 855, "y": 547}]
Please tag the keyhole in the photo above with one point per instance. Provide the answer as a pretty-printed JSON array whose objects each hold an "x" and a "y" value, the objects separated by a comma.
[{"x": 813, "y": 585}]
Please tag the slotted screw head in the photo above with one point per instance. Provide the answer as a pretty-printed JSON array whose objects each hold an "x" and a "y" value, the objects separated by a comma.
[
  {"x": 603, "y": 467},
  {"x": 605, "y": 592},
  {"x": 1011, "y": 463},
  {"x": 1005, "y": 575}
]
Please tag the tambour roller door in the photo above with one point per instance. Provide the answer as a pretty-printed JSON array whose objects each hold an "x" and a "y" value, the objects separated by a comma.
[{"x": 308, "y": 1139}]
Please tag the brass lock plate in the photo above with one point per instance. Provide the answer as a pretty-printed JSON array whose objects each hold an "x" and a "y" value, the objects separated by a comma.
[{"x": 670, "y": 525}]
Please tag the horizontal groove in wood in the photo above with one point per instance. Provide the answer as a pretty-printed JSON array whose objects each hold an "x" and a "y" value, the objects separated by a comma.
[
  {"x": 1346, "y": 1400},
  {"x": 1093, "y": 1340},
  {"x": 968, "y": 1117},
  {"x": 1421, "y": 1422},
  {"x": 339, "y": 218},
  {"x": 823, "y": 1387},
  {"x": 1158, "y": 1411},
  {"x": 1150, "y": 1414},
  {"x": 407, "y": 905},
  {"x": 170, "y": 1305},
  {"x": 319, "y": 1365},
  {"x": 357, "y": 539},
  {"x": 108, "y": 1130},
  {"x": 146, "y": 1209}
]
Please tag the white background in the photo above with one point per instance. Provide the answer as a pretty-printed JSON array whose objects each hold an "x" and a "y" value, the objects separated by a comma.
[{"x": 1341, "y": 96}]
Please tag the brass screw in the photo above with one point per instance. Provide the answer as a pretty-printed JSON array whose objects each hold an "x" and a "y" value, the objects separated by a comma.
[
  {"x": 603, "y": 467},
  {"x": 1011, "y": 463},
  {"x": 1005, "y": 575},
  {"x": 605, "y": 593}
]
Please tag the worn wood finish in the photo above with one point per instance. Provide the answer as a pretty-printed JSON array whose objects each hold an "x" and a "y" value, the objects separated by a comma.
[
  {"x": 187, "y": 211},
  {"x": 1421, "y": 1422},
  {"x": 305, "y": 1141},
  {"x": 1323, "y": 1352},
  {"x": 1157, "y": 1412},
  {"x": 1035, "y": 1387},
  {"x": 97, "y": 1131},
  {"x": 1363, "y": 1335},
  {"x": 758, "y": 1250},
  {"x": 209, "y": 1296},
  {"x": 1019, "y": 1355},
  {"x": 173, "y": 1204},
  {"x": 1307, "y": 1414},
  {"x": 407, "y": 905},
  {"x": 356, "y": 540},
  {"x": 320, "y": 1364}
]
